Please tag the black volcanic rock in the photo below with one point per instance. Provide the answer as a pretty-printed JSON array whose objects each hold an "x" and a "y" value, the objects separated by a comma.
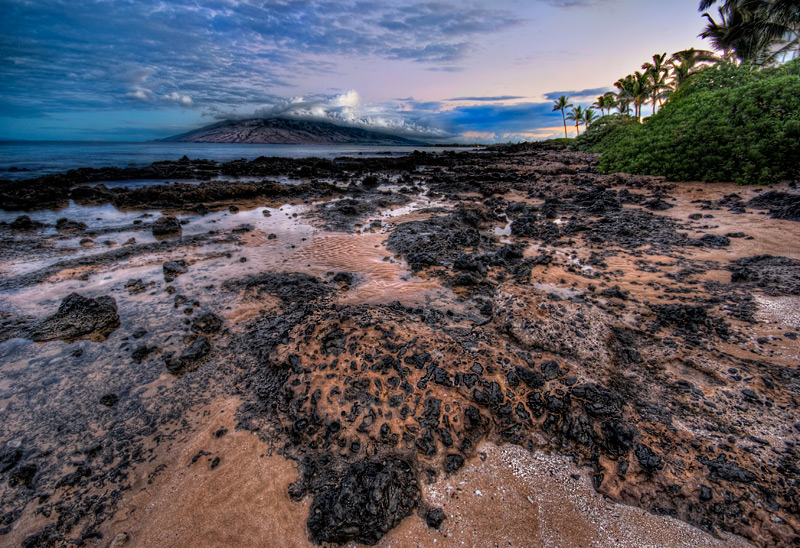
[
  {"x": 371, "y": 499},
  {"x": 79, "y": 317},
  {"x": 288, "y": 132},
  {"x": 23, "y": 222},
  {"x": 173, "y": 269},
  {"x": 166, "y": 226},
  {"x": 781, "y": 205}
]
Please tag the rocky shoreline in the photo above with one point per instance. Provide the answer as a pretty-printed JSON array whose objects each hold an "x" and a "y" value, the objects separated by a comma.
[{"x": 379, "y": 320}]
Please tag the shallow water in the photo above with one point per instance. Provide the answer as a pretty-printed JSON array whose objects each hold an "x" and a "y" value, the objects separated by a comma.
[
  {"x": 50, "y": 392},
  {"x": 295, "y": 245},
  {"x": 36, "y": 158}
]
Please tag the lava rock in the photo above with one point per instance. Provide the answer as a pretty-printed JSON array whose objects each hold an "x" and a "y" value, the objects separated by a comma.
[
  {"x": 720, "y": 468},
  {"x": 23, "y": 222},
  {"x": 434, "y": 517},
  {"x": 135, "y": 286},
  {"x": 691, "y": 320},
  {"x": 188, "y": 359},
  {"x": 598, "y": 401},
  {"x": 453, "y": 462},
  {"x": 173, "y": 269},
  {"x": 532, "y": 378},
  {"x": 198, "y": 349},
  {"x": 109, "y": 400},
  {"x": 207, "y": 324},
  {"x": 65, "y": 225},
  {"x": 346, "y": 278},
  {"x": 166, "y": 226},
  {"x": 22, "y": 475},
  {"x": 550, "y": 370},
  {"x": 713, "y": 241},
  {"x": 648, "y": 459},
  {"x": 371, "y": 499},
  {"x": 618, "y": 437},
  {"x": 141, "y": 352},
  {"x": 657, "y": 204},
  {"x": 781, "y": 205},
  {"x": 774, "y": 276},
  {"x": 290, "y": 287},
  {"x": 79, "y": 317}
]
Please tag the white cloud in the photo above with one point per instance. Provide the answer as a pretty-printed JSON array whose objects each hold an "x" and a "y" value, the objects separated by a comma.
[
  {"x": 347, "y": 109},
  {"x": 176, "y": 97},
  {"x": 140, "y": 94}
]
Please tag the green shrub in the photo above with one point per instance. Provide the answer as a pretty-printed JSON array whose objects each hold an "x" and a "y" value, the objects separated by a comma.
[
  {"x": 590, "y": 139},
  {"x": 728, "y": 75},
  {"x": 730, "y": 124},
  {"x": 559, "y": 143}
]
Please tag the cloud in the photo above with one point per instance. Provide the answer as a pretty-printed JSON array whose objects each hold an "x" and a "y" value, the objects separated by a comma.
[
  {"x": 348, "y": 109},
  {"x": 574, "y": 3},
  {"x": 578, "y": 95},
  {"x": 435, "y": 121},
  {"x": 223, "y": 58},
  {"x": 176, "y": 97},
  {"x": 488, "y": 99},
  {"x": 139, "y": 94},
  {"x": 94, "y": 54}
]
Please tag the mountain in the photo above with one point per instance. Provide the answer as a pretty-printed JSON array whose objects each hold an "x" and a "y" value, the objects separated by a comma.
[{"x": 282, "y": 131}]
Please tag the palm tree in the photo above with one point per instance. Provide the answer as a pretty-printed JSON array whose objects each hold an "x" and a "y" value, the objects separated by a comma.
[
  {"x": 736, "y": 36},
  {"x": 657, "y": 72},
  {"x": 686, "y": 63},
  {"x": 603, "y": 102},
  {"x": 611, "y": 101},
  {"x": 589, "y": 116},
  {"x": 626, "y": 92},
  {"x": 754, "y": 31},
  {"x": 614, "y": 102},
  {"x": 634, "y": 88},
  {"x": 576, "y": 115},
  {"x": 562, "y": 103},
  {"x": 600, "y": 104},
  {"x": 641, "y": 92},
  {"x": 780, "y": 12}
]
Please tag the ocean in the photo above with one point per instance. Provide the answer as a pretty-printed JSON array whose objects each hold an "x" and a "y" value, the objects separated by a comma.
[{"x": 29, "y": 159}]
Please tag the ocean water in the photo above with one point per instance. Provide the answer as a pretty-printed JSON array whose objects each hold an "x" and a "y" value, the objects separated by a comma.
[{"x": 28, "y": 159}]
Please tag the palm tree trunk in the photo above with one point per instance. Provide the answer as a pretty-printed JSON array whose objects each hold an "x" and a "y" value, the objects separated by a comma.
[
  {"x": 577, "y": 129},
  {"x": 564, "y": 116}
]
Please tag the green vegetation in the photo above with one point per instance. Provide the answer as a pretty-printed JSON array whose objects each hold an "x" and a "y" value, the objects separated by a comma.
[
  {"x": 594, "y": 139},
  {"x": 729, "y": 123},
  {"x": 734, "y": 117},
  {"x": 762, "y": 32},
  {"x": 561, "y": 142},
  {"x": 577, "y": 116}
]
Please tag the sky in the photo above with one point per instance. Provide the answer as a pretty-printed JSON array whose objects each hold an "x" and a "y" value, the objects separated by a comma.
[{"x": 441, "y": 70}]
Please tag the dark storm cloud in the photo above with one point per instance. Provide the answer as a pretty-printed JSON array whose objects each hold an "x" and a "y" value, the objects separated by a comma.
[{"x": 85, "y": 54}]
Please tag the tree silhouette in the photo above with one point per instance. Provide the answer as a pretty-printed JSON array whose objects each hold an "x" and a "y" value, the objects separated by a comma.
[
  {"x": 562, "y": 103},
  {"x": 577, "y": 115}
]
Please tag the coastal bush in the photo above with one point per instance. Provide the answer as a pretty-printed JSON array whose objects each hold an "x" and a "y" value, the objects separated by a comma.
[
  {"x": 559, "y": 143},
  {"x": 590, "y": 139},
  {"x": 728, "y": 124},
  {"x": 728, "y": 75}
]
